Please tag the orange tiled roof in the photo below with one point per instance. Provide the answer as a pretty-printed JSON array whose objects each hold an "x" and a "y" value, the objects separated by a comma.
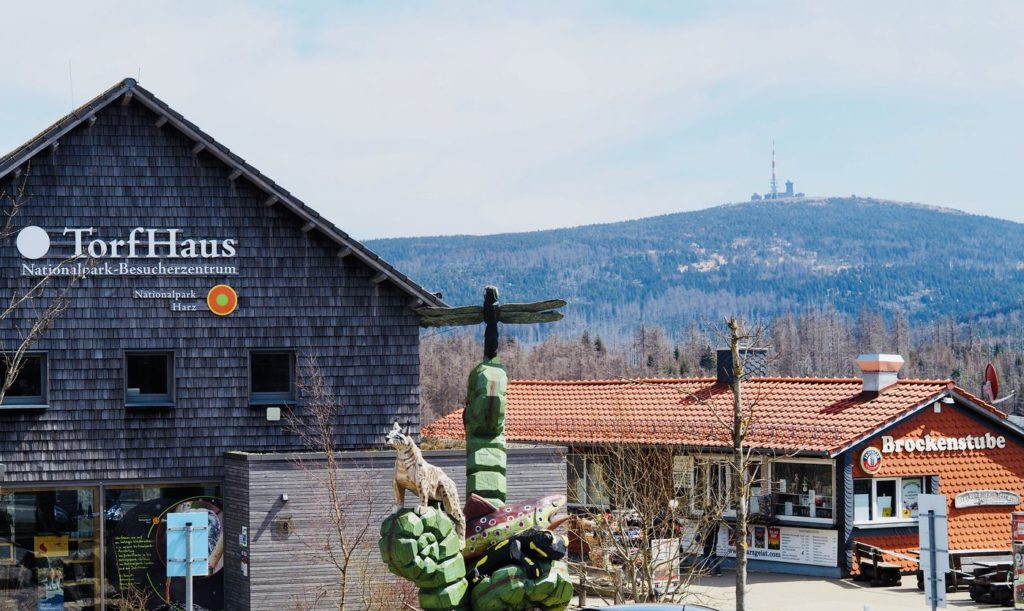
[{"x": 808, "y": 414}]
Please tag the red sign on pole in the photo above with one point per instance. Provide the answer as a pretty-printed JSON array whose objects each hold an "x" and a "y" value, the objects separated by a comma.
[
  {"x": 1017, "y": 526},
  {"x": 1017, "y": 535}
]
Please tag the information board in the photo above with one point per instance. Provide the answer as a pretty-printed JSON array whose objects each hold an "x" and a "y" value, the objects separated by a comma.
[
  {"x": 932, "y": 517},
  {"x": 815, "y": 546},
  {"x": 179, "y": 552}
]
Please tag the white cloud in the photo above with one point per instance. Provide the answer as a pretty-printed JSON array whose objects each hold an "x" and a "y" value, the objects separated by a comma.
[{"x": 481, "y": 117}]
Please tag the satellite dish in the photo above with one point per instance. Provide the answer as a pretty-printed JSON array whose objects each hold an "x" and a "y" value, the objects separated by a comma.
[{"x": 990, "y": 390}]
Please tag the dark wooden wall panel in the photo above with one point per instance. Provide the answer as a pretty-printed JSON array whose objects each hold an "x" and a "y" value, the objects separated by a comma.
[
  {"x": 236, "y": 516},
  {"x": 294, "y": 292}
]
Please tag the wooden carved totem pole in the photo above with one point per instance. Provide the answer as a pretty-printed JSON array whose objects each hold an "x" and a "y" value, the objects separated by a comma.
[{"x": 510, "y": 559}]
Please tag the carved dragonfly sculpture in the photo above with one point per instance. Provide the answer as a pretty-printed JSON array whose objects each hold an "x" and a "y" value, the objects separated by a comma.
[{"x": 491, "y": 313}]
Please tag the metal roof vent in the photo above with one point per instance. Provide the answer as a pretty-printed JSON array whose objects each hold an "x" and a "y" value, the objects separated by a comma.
[{"x": 879, "y": 371}]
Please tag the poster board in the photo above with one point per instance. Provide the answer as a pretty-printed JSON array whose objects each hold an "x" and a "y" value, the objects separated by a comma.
[
  {"x": 813, "y": 546},
  {"x": 665, "y": 557}
]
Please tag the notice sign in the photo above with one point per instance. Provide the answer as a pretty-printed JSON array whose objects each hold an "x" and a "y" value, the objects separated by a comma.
[
  {"x": 985, "y": 498},
  {"x": 665, "y": 554},
  {"x": 187, "y": 543},
  {"x": 933, "y": 538},
  {"x": 51, "y": 546},
  {"x": 1017, "y": 526},
  {"x": 1017, "y": 536},
  {"x": 813, "y": 546}
]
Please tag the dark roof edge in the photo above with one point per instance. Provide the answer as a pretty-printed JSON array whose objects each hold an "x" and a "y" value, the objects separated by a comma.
[
  {"x": 22, "y": 154},
  {"x": 17, "y": 157}
]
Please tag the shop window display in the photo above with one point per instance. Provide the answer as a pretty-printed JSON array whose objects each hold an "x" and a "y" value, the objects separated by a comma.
[
  {"x": 803, "y": 491},
  {"x": 49, "y": 558},
  {"x": 50, "y": 548}
]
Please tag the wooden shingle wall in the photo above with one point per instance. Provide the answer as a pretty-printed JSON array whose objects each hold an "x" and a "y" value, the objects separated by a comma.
[
  {"x": 294, "y": 571},
  {"x": 294, "y": 292}
]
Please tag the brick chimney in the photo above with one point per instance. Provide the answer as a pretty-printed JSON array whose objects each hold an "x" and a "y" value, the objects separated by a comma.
[{"x": 879, "y": 371}]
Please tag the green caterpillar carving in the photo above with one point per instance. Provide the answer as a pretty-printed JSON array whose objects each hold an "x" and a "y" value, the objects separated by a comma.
[
  {"x": 484, "y": 419},
  {"x": 426, "y": 550}
]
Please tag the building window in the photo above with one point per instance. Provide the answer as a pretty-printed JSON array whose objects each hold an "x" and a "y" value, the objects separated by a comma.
[
  {"x": 803, "y": 490},
  {"x": 29, "y": 385},
  {"x": 886, "y": 499},
  {"x": 712, "y": 486},
  {"x": 271, "y": 376},
  {"x": 586, "y": 479},
  {"x": 149, "y": 378},
  {"x": 682, "y": 477}
]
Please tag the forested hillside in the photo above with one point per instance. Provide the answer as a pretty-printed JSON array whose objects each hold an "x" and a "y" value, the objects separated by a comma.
[
  {"x": 817, "y": 343},
  {"x": 758, "y": 260}
]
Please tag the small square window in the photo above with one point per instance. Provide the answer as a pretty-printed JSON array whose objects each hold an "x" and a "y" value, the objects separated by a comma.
[
  {"x": 29, "y": 385},
  {"x": 271, "y": 376},
  {"x": 149, "y": 378}
]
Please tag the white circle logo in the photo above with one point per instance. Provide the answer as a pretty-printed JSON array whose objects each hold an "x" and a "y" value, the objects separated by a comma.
[{"x": 33, "y": 242}]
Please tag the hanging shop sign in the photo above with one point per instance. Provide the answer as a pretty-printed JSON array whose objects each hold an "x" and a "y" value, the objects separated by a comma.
[
  {"x": 143, "y": 251},
  {"x": 925, "y": 444},
  {"x": 985, "y": 498},
  {"x": 870, "y": 460}
]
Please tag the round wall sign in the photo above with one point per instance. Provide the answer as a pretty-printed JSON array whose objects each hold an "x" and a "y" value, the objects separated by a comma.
[
  {"x": 33, "y": 242},
  {"x": 871, "y": 460},
  {"x": 222, "y": 300}
]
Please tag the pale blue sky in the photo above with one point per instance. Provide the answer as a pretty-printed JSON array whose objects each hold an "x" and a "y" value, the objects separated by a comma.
[{"x": 412, "y": 118}]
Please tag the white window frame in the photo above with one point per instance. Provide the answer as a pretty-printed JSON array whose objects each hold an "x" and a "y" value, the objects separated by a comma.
[
  {"x": 897, "y": 518},
  {"x": 587, "y": 458},
  {"x": 721, "y": 465},
  {"x": 682, "y": 475},
  {"x": 807, "y": 461},
  {"x": 723, "y": 470}
]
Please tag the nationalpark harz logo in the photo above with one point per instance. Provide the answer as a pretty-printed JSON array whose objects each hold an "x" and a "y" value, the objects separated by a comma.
[{"x": 143, "y": 252}]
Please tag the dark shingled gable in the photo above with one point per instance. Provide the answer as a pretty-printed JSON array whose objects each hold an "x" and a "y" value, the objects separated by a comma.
[{"x": 123, "y": 170}]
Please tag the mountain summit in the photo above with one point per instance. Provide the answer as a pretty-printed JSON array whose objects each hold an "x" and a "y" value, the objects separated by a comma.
[{"x": 755, "y": 259}]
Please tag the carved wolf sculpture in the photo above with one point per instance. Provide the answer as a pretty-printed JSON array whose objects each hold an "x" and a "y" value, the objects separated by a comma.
[{"x": 413, "y": 472}]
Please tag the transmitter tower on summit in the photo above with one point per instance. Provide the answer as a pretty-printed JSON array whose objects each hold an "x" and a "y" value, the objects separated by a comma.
[{"x": 774, "y": 184}]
